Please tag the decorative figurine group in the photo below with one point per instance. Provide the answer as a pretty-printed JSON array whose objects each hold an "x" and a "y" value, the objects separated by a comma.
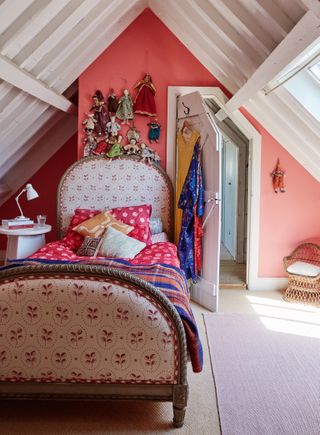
[{"x": 103, "y": 131}]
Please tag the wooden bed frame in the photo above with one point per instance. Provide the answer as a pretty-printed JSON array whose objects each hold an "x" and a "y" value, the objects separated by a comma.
[{"x": 133, "y": 342}]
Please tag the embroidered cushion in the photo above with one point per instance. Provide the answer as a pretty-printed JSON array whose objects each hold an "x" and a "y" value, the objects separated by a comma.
[
  {"x": 139, "y": 217},
  {"x": 96, "y": 226},
  {"x": 119, "y": 245},
  {"x": 73, "y": 240},
  {"x": 89, "y": 247}
]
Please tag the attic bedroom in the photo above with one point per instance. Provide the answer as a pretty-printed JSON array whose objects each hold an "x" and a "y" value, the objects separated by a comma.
[{"x": 159, "y": 206}]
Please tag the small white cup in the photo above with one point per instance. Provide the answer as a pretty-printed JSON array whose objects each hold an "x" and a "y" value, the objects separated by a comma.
[{"x": 41, "y": 219}]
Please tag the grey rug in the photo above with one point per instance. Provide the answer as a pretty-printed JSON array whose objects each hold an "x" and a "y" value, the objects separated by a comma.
[{"x": 268, "y": 383}]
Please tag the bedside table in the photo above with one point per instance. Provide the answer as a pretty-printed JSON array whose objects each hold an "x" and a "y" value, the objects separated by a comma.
[{"x": 23, "y": 243}]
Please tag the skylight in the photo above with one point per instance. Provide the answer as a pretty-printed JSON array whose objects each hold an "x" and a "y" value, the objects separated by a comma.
[{"x": 315, "y": 70}]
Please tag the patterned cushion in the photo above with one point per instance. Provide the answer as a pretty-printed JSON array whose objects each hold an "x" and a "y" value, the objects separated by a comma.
[
  {"x": 73, "y": 240},
  {"x": 96, "y": 226},
  {"x": 116, "y": 244},
  {"x": 89, "y": 247},
  {"x": 139, "y": 217}
]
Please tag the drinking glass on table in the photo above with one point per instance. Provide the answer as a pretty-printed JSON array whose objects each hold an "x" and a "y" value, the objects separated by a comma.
[{"x": 41, "y": 219}]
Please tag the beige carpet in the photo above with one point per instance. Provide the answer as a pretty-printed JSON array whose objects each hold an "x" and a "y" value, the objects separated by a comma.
[{"x": 108, "y": 418}]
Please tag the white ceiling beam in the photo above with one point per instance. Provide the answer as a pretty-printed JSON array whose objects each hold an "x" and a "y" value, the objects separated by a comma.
[
  {"x": 288, "y": 49},
  {"x": 59, "y": 33},
  {"x": 312, "y": 5},
  {"x": 9, "y": 11},
  {"x": 211, "y": 11},
  {"x": 12, "y": 74},
  {"x": 245, "y": 56},
  {"x": 210, "y": 60},
  {"x": 273, "y": 11},
  {"x": 88, "y": 51},
  {"x": 31, "y": 27},
  {"x": 93, "y": 24},
  {"x": 240, "y": 18}
]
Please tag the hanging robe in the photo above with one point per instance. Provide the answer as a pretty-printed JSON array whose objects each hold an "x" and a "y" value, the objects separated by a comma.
[{"x": 191, "y": 201}]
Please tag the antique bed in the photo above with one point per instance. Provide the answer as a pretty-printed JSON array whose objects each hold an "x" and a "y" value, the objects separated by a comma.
[{"x": 81, "y": 330}]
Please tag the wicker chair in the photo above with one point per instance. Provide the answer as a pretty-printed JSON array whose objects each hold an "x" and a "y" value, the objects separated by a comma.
[{"x": 303, "y": 286}]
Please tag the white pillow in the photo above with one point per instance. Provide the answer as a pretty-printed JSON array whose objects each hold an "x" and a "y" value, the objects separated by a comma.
[
  {"x": 160, "y": 237},
  {"x": 303, "y": 269},
  {"x": 118, "y": 245}
]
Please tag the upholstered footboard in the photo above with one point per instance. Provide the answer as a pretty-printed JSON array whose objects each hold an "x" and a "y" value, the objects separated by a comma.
[{"x": 79, "y": 331}]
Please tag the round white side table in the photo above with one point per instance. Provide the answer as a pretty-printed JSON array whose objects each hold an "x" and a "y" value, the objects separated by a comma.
[{"x": 23, "y": 243}]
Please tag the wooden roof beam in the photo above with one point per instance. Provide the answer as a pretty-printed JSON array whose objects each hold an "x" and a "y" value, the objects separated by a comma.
[
  {"x": 23, "y": 80},
  {"x": 289, "y": 48}
]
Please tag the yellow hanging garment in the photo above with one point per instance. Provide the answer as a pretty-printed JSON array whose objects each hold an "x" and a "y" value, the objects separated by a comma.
[{"x": 186, "y": 140}]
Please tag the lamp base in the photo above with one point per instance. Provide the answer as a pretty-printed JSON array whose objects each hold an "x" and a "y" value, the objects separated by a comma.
[{"x": 21, "y": 218}]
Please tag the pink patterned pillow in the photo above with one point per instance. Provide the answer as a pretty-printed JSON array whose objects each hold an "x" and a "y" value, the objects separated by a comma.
[
  {"x": 73, "y": 240},
  {"x": 137, "y": 216}
]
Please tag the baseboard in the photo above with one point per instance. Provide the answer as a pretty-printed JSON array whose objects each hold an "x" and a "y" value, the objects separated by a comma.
[{"x": 268, "y": 284}]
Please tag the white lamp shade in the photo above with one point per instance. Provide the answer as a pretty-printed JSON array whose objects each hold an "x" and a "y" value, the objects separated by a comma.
[{"x": 31, "y": 193}]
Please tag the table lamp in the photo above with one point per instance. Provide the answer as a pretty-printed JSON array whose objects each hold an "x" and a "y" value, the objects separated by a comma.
[{"x": 31, "y": 194}]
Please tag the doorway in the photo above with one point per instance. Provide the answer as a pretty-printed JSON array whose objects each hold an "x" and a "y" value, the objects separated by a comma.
[{"x": 234, "y": 193}]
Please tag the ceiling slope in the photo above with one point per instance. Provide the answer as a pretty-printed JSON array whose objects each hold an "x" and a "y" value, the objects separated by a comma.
[{"x": 46, "y": 44}]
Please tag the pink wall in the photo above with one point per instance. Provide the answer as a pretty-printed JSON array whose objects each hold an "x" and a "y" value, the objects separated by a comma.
[
  {"x": 148, "y": 45},
  {"x": 45, "y": 181}
]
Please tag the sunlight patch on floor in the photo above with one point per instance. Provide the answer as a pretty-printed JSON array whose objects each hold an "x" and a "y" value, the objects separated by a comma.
[{"x": 281, "y": 316}]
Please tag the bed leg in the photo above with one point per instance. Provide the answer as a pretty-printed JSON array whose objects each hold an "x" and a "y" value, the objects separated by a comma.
[{"x": 180, "y": 398}]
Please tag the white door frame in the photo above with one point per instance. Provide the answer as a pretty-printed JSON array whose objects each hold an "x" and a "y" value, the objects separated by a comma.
[{"x": 253, "y": 231}]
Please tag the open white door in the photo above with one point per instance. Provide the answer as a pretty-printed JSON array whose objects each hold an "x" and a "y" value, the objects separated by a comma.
[{"x": 192, "y": 109}]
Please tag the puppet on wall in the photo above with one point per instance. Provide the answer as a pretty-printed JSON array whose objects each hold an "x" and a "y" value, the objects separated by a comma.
[
  {"x": 116, "y": 149},
  {"x": 278, "y": 175},
  {"x": 101, "y": 148},
  {"x": 132, "y": 148},
  {"x": 125, "y": 108},
  {"x": 144, "y": 103},
  {"x": 149, "y": 155},
  {"x": 154, "y": 131},
  {"x": 100, "y": 113},
  {"x": 133, "y": 133},
  {"x": 90, "y": 144},
  {"x": 113, "y": 127},
  {"x": 112, "y": 102},
  {"x": 89, "y": 123}
]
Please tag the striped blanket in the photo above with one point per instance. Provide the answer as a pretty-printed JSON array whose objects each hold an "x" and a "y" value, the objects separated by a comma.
[{"x": 169, "y": 279}]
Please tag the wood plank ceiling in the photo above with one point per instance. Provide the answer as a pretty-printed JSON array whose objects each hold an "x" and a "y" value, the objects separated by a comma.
[{"x": 46, "y": 44}]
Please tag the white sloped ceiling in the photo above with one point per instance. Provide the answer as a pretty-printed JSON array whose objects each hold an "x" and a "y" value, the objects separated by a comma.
[{"x": 46, "y": 44}]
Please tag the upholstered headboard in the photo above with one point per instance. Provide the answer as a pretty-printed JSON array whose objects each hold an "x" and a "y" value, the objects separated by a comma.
[{"x": 99, "y": 184}]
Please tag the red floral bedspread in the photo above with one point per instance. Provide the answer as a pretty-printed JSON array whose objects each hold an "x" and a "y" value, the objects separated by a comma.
[{"x": 163, "y": 252}]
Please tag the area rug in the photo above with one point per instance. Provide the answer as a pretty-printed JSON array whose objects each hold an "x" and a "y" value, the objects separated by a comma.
[{"x": 267, "y": 382}]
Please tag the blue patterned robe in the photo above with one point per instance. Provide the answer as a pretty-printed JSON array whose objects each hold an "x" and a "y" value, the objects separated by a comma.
[{"x": 191, "y": 201}]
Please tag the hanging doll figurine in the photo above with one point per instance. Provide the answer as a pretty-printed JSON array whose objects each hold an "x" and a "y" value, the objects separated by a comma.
[
  {"x": 90, "y": 143},
  {"x": 112, "y": 102},
  {"x": 144, "y": 103},
  {"x": 116, "y": 149},
  {"x": 113, "y": 127},
  {"x": 100, "y": 113},
  {"x": 89, "y": 123},
  {"x": 148, "y": 155},
  {"x": 154, "y": 131},
  {"x": 125, "y": 108},
  {"x": 133, "y": 133},
  {"x": 278, "y": 175}
]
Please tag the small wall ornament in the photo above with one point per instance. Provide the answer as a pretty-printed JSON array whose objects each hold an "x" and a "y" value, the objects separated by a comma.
[
  {"x": 154, "y": 130},
  {"x": 278, "y": 175},
  {"x": 125, "y": 108}
]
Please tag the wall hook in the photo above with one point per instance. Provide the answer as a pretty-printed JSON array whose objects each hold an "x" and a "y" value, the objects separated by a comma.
[{"x": 187, "y": 109}]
